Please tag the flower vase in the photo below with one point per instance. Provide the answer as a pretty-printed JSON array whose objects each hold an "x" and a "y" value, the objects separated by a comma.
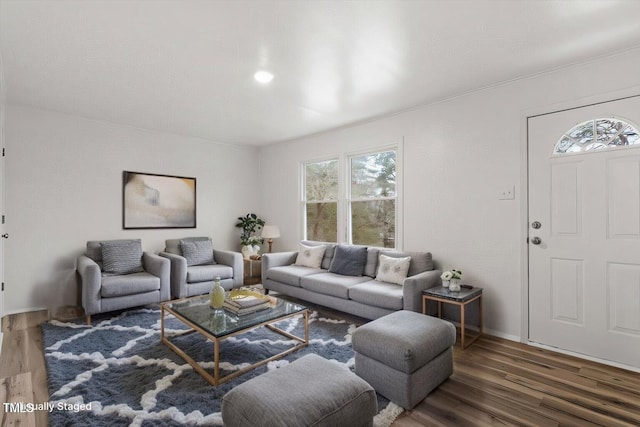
[
  {"x": 454, "y": 285},
  {"x": 216, "y": 295},
  {"x": 445, "y": 283},
  {"x": 248, "y": 250}
]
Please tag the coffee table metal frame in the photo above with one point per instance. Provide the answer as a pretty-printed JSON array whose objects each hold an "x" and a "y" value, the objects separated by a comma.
[{"x": 216, "y": 379}]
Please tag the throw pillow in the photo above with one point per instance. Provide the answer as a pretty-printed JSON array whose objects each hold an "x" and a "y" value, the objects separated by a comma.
[
  {"x": 393, "y": 270},
  {"x": 122, "y": 256},
  {"x": 197, "y": 252},
  {"x": 310, "y": 256},
  {"x": 349, "y": 260}
]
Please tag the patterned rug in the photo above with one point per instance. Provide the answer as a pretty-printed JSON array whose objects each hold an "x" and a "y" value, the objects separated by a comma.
[{"x": 117, "y": 372}]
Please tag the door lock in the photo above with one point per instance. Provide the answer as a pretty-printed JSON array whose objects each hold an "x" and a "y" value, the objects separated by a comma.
[
  {"x": 536, "y": 240},
  {"x": 5, "y": 236},
  {"x": 536, "y": 224}
]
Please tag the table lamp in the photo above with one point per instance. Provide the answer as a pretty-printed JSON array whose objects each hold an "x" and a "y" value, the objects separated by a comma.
[{"x": 270, "y": 232}]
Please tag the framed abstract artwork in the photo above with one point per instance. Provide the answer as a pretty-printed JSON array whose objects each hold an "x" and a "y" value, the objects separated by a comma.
[{"x": 158, "y": 201}]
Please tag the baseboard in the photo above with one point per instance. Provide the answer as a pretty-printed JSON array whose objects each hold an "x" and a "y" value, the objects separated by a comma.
[
  {"x": 584, "y": 356},
  {"x": 486, "y": 331},
  {"x": 502, "y": 335},
  {"x": 24, "y": 310}
]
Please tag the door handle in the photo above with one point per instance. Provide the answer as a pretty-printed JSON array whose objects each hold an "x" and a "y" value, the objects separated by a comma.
[{"x": 536, "y": 240}]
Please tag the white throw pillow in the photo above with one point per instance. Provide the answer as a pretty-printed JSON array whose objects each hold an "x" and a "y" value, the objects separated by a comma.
[
  {"x": 393, "y": 270},
  {"x": 310, "y": 256}
]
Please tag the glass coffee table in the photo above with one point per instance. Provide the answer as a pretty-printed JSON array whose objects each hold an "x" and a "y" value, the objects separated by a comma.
[{"x": 218, "y": 324}]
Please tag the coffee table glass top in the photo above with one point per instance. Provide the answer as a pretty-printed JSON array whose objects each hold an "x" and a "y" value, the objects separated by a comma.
[
  {"x": 461, "y": 295},
  {"x": 220, "y": 322}
]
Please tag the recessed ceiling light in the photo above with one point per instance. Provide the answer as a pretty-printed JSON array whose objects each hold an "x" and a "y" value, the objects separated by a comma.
[{"x": 263, "y": 77}]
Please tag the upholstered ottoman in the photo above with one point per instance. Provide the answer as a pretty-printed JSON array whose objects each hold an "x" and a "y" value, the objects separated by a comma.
[
  {"x": 404, "y": 355},
  {"x": 312, "y": 391}
]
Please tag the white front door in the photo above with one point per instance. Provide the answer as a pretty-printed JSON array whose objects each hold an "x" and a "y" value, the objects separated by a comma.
[{"x": 584, "y": 259}]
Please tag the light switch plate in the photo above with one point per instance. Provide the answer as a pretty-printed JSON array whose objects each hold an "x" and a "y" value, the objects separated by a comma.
[{"x": 509, "y": 193}]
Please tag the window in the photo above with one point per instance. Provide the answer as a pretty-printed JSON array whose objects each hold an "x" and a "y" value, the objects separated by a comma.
[
  {"x": 372, "y": 199},
  {"x": 598, "y": 134},
  {"x": 363, "y": 210},
  {"x": 321, "y": 201}
]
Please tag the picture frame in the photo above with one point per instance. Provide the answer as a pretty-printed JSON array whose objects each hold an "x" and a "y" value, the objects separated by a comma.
[{"x": 151, "y": 201}]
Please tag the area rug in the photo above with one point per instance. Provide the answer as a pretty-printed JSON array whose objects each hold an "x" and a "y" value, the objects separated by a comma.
[{"x": 118, "y": 373}]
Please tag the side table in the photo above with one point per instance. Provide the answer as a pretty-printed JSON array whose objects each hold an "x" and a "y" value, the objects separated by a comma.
[
  {"x": 461, "y": 298},
  {"x": 252, "y": 272}
]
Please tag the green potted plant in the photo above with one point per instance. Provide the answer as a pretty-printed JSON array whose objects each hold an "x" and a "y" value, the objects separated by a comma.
[{"x": 249, "y": 224}]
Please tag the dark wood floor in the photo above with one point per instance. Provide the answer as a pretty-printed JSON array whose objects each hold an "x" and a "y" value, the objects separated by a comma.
[
  {"x": 500, "y": 382},
  {"x": 495, "y": 382}
]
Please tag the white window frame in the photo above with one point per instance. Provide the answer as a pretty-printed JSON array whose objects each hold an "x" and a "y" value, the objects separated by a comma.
[
  {"x": 344, "y": 226},
  {"x": 303, "y": 194},
  {"x": 348, "y": 234}
]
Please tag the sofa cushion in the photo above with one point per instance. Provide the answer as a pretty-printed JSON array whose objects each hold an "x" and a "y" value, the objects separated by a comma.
[
  {"x": 206, "y": 273},
  {"x": 94, "y": 250},
  {"x": 172, "y": 246},
  {"x": 333, "y": 284},
  {"x": 420, "y": 261},
  {"x": 349, "y": 260},
  {"x": 393, "y": 270},
  {"x": 310, "y": 256},
  {"x": 291, "y": 274},
  {"x": 197, "y": 252},
  {"x": 328, "y": 253},
  {"x": 130, "y": 284},
  {"x": 371, "y": 266},
  {"x": 378, "y": 294},
  {"x": 122, "y": 256}
]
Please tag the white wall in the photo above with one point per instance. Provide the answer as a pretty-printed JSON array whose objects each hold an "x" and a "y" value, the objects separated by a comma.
[
  {"x": 458, "y": 156},
  {"x": 64, "y": 187}
]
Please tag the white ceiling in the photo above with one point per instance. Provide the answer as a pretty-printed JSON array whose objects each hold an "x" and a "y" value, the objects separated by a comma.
[{"x": 186, "y": 67}]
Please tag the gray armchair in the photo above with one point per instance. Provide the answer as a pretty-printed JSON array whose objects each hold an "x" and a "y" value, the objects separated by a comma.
[
  {"x": 195, "y": 265},
  {"x": 117, "y": 274}
]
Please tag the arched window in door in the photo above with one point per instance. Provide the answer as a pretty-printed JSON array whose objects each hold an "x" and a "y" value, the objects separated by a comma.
[{"x": 597, "y": 134}]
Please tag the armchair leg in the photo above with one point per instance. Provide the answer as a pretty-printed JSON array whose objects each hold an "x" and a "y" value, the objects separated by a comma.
[{"x": 88, "y": 317}]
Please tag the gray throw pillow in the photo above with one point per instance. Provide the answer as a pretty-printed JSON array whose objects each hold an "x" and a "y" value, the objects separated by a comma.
[
  {"x": 122, "y": 256},
  {"x": 349, "y": 260},
  {"x": 197, "y": 252}
]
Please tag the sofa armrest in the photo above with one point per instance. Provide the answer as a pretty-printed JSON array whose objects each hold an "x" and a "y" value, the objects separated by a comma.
[
  {"x": 413, "y": 286},
  {"x": 178, "y": 274},
  {"x": 159, "y": 267},
  {"x": 277, "y": 259},
  {"x": 233, "y": 260},
  {"x": 90, "y": 281}
]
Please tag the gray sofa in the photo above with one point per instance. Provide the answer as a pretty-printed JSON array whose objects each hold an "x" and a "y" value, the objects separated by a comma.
[
  {"x": 359, "y": 295},
  {"x": 189, "y": 280}
]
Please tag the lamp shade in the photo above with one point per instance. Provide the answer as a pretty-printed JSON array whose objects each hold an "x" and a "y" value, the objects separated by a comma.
[{"x": 270, "y": 232}]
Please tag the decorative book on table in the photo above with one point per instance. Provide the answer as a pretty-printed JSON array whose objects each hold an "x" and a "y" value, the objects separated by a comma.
[{"x": 247, "y": 304}]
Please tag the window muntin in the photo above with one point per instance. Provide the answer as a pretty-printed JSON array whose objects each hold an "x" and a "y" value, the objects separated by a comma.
[
  {"x": 372, "y": 199},
  {"x": 321, "y": 185},
  {"x": 597, "y": 134}
]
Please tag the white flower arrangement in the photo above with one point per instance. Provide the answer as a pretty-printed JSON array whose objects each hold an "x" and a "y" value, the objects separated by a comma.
[
  {"x": 254, "y": 241},
  {"x": 451, "y": 274}
]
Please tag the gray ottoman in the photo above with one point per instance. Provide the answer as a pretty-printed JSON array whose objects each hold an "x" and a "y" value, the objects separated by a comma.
[
  {"x": 404, "y": 355},
  {"x": 312, "y": 391}
]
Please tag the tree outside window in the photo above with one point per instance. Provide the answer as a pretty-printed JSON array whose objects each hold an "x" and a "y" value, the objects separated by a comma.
[
  {"x": 372, "y": 200},
  {"x": 321, "y": 200}
]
